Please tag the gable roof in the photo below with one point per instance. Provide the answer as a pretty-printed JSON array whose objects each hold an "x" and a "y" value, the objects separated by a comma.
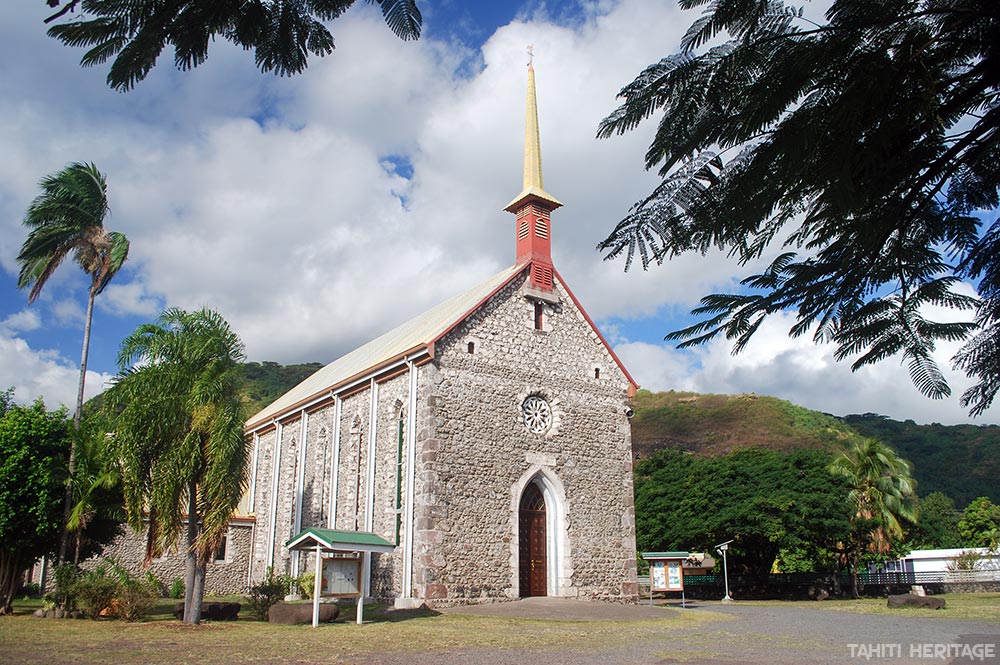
[
  {"x": 338, "y": 540},
  {"x": 410, "y": 340}
]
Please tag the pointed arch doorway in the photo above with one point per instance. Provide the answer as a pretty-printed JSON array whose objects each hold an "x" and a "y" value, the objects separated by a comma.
[{"x": 532, "y": 543}]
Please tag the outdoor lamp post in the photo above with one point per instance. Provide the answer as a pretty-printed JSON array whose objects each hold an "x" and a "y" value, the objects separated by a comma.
[{"x": 724, "y": 547}]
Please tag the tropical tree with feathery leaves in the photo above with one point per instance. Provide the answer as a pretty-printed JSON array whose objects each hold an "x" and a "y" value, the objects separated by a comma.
[
  {"x": 854, "y": 152},
  {"x": 68, "y": 218},
  {"x": 177, "y": 421},
  {"x": 282, "y": 33}
]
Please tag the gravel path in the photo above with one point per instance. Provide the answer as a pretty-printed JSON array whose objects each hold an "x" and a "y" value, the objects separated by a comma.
[{"x": 740, "y": 633}]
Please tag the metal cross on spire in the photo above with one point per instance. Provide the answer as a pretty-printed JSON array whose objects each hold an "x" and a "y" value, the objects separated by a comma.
[{"x": 531, "y": 54}]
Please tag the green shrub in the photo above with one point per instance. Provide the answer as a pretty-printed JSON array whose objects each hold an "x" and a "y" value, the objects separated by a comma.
[
  {"x": 271, "y": 590},
  {"x": 96, "y": 590},
  {"x": 177, "y": 589},
  {"x": 136, "y": 595},
  {"x": 31, "y": 590}
]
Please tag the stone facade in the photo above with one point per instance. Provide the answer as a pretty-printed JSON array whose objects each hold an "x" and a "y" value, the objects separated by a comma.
[
  {"x": 225, "y": 575},
  {"x": 473, "y": 458}
]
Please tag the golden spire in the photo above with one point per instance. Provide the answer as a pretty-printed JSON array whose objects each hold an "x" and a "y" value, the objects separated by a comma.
[{"x": 532, "y": 181}]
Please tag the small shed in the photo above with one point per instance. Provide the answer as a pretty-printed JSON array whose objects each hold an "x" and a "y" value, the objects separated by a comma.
[{"x": 338, "y": 572}]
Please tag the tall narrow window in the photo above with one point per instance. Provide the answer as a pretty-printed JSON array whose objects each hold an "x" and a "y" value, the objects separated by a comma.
[
  {"x": 597, "y": 372},
  {"x": 539, "y": 312},
  {"x": 472, "y": 347}
]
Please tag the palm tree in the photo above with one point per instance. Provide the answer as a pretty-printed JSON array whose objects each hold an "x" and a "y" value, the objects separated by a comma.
[
  {"x": 95, "y": 475},
  {"x": 68, "y": 218},
  {"x": 883, "y": 494},
  {"x": 178, "y": 419}
]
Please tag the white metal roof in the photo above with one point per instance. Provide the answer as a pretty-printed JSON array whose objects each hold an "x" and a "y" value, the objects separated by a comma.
[{"x": 414, "y": 334}]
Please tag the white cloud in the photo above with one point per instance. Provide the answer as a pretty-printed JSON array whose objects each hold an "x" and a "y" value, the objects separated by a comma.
[
  {"x": 33, "y": 373},
  {"x": 22, "y": 321}
]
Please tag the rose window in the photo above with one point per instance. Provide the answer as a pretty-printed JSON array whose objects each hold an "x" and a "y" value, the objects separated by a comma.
[{"x": 537, "y": 414}]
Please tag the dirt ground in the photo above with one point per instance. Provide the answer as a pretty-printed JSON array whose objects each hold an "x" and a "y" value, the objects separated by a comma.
[{"x": 773, "y": 634}]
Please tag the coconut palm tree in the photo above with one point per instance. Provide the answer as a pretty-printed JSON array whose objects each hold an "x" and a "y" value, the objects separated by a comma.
[
  {"x": 68, "y": 218},
  {"x": 883, "y": 494},
  {"x": 177, "y": 418}
]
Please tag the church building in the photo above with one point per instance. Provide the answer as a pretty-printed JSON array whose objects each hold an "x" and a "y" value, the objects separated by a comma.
[{"x": 486, "y": 440}]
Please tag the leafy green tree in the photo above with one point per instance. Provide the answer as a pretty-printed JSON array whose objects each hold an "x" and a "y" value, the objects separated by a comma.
[
  {"x": 68, "y": 218},
  {"x": 33, "y": 448},
  {"x": 857, "y": 154},
  {"x": 882, "y": 498},
  {"x": 282, "y": 33},
  {"x": 765, "y": 500},
  {"x": 979, "y": 524},
  {"x": 178, "y": 435},
  {"x": 937, "y": 524}
]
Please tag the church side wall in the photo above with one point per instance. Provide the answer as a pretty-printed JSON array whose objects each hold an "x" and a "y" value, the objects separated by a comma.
[
  {"x": 350, "y": 482},
  {"x": 477, "y": 454}
]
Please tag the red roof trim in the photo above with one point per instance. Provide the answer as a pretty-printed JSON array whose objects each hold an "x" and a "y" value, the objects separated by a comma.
[{"x": 633, "y": 386}]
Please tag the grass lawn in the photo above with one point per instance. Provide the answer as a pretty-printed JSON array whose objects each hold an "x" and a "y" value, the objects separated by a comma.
[
  {"x": 970, "y": 606},
  {"x": 161, "y": 639},
  {"x": 962, "y": 606}
]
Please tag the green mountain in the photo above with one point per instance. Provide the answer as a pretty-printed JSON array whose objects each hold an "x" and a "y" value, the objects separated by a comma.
[
  {"x": 718, "y": 424},
  {"x": 963, "y": 461}
]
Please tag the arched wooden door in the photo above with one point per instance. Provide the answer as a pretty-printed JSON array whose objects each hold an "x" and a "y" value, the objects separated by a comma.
[{"x": 532, "y": 543}]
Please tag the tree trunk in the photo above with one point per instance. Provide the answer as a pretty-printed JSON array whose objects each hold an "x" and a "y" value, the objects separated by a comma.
[
  {"x": 190, "y": 559},
  {"x": 199, "y": 590},
  {"x": 77, "y": 416},
  {"x": 11, "y": 569}
]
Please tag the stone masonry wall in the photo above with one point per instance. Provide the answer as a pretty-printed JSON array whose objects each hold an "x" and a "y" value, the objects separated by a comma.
[
  {"x": 475, "y": 454},
  {"x": 222, "y": 577},
  {"x": 350, "y": 482}
]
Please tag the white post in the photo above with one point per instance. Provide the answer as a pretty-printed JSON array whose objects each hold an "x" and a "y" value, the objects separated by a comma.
[
  {"x": 725, "y": 573},
  {"x": 361, "y": 607},
  {"x": 317, "y": 584}
]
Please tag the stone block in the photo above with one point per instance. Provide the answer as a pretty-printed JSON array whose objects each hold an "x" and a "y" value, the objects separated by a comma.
[
  {"x": 213, "y": 611},
  {"x": 301, "y": 613},
  {"x": 912, "y": 600}
]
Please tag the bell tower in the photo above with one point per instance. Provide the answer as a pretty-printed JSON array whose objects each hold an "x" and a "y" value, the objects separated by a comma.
[{"x": 533, "y": 207}]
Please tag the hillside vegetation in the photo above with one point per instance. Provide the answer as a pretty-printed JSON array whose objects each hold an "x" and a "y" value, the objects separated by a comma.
[
  {"x": 712, "y": 425},
  {"x": 267, "y": 381},
  {"x": 963, "y": 461}
]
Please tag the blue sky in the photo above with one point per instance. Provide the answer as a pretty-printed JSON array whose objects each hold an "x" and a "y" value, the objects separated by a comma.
[{"x": 317, "y": 211}]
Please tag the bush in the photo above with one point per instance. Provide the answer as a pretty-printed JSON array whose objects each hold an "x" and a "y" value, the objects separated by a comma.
[
  {"x": 177, "y": 589},
  {"x": 31, "y": 590},
  {"x": 96, "y": 590},
  {"x": 136, "y": 595},
  {"x": 307, "y": 584},
  {"x": 270, "y": 591}
]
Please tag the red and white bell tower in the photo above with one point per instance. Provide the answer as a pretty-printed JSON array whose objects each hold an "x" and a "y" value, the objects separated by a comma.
[{"x": 533, "y": 207}]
